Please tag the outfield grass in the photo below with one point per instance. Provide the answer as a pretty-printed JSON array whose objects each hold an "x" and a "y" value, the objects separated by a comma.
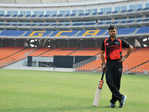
[{"x": 42, "y": 91}]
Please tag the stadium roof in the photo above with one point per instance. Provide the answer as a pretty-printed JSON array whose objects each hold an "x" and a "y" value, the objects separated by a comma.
[{"x": 55, "y": 1}]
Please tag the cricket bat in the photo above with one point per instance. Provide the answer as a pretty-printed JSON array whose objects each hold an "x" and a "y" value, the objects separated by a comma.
[{"x": 98, "y": 91}]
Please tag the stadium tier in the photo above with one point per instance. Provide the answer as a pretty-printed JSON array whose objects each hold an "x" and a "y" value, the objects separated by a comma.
[
  {"x": 72, "y": 33},
  {"x": 128, "y": 8},
  {"x": 11, "y": 55},
  {"x": 142, "y": 57},
  {"x": 75, "y": 23}
]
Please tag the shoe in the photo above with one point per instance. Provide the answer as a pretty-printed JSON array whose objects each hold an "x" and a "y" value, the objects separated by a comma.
[
  {"x": 112, "y": 105},
  {"x": 122, "y": 102}
]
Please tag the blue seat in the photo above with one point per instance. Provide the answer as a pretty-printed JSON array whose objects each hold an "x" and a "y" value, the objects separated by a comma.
[
  {"x": 146, "y": 19},
  {"x": 20, "y": 15},
  {"x": 53, "y": 24},
  {"x": 38, "y": 13},
  {"x": 47, "y": 14},
  {"x": 100, "y": 22},
  {"x": 2, "y": 12},
  {"x": 86, "y": 13},
  {"x": 7, "y": 15},
  {"x": 139, "y": 9},
  {"x": 130, "y": 10},
  {"x": 61, "y": 13},
  {"x": 65, "y": 23},
  {"x": 11, "y": 13},
  {"x": 94, "y": 13},
  {"x": 147, "y": 8},
  {"x": 80, "y": 12},
  {"x": 115, "y": 22},
  {"x": 123, "y": 11},
  {"x": 115, "y": 12},
  {"x": 33, "y": 15},
  {"x": 53, "y": 14},
  {"x": 100, "y": 13},
  {"x": 73, "y": 14},
  {"x": 12, "y": 33},
  {"x": 77, "y": 23},
  {"x": 122, "y": 31},
  {"x": 139, "y": 20},
  {"x": 24, "y": 14},
  {"x": 131, "y": 20},
  {"x": 143, "y": 29},
  {"x": 89, "y": 22},
  {"x": 108, "y": 12}
]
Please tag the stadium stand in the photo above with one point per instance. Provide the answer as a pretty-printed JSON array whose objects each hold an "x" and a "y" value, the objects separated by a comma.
[
  {"x": 143, "y": 29},
  {"x": 14, "y": 57},
  {"x": 69, "y": 33},
  {"x": 9, "y": 51},
  {"x": 73, "y": 29},
  {"x": 91, "y": 66},
  {"x": 142, "y": 68},
  {"x": 59, "y": 52},
  {"x": 136, "y": 59},
  {"x": 39, "y": 52},
  {"x": 87, "y": 52}
]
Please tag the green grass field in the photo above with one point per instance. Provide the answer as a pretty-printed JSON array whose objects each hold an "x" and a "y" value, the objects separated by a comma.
[{"x": 43, "y": 91}]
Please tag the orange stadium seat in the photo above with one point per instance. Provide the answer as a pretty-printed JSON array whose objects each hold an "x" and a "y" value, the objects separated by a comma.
[
  {"x": 92, "y": 52},
  {"x": 15, "y": 57},
  {"x": 142, "y": 68},
  {"x": 54, "y": 52},
  {"x": 39, "y": 52},
  {"x": 137, "y": 57},
  {"x": 8, "y": 51},
  {"x": 92, "y": 66}
]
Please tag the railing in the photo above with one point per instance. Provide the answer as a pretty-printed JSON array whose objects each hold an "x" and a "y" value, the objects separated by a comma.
[{"x": 77, "y": 65}]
